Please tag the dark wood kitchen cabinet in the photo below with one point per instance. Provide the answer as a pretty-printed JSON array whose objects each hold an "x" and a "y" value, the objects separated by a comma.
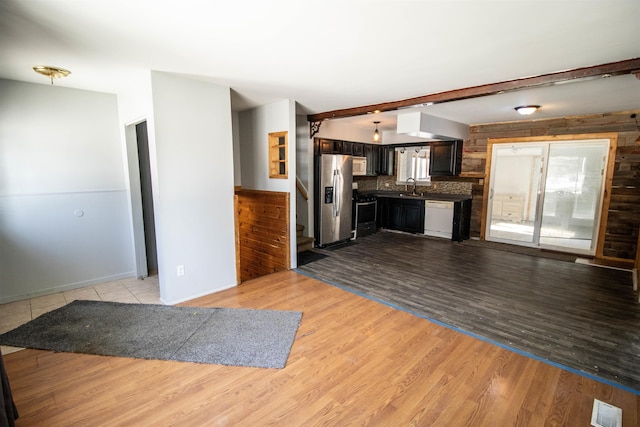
[
  {"x": 461, "y": 220},
  {"x": 333, "y": 146},
  {"x": 445, "y": 158},
  {"x": 372, "y": 153},
  {"x": 358, "y": 149},
  {"x": 387, "y": 160},
  {"x": 402, "y": 214},
  {"x": 325, "y": 146}
]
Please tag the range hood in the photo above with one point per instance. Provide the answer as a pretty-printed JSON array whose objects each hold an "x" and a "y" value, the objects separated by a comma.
[{"x": 422, "y": 125}]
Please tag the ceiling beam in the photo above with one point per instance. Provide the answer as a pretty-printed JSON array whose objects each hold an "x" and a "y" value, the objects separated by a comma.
[{"x": 630, "y": 66}]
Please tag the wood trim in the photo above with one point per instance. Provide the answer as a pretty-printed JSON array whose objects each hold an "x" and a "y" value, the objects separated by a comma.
[
  {"x": 485, "y": 190},
  {"x": 476, "y": 175},
  {"x": 606, "y": 200},
  {"x": 637, "y": 263},
  {"x": 629, "y": 66},
  {"x": 236, "y": 226}
]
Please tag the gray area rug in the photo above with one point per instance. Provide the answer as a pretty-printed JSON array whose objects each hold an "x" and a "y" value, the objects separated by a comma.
[{"x": 236, "y": 337}]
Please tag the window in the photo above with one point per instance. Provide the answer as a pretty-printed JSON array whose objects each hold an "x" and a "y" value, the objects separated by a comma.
[{"x": 413, "y": 162}]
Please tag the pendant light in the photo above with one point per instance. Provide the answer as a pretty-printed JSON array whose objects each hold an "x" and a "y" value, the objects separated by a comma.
[{"x": 376, "y": 134}]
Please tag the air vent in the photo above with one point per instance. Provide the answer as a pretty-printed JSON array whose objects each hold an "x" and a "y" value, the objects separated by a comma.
[{"x": 605, "y": 415}]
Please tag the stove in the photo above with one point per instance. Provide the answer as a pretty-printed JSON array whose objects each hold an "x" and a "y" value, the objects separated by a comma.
[{"x": 364, "y": 214}]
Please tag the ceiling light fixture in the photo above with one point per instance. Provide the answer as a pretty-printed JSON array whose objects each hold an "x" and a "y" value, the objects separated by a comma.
[
  {"x": 51, "y": 72},
  {"x": 376, "y": 134},
  {"x": 525, "y": 110}
]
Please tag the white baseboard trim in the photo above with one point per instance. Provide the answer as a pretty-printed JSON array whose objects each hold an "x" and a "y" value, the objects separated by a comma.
[
  {"x": 189, "y": 298},
  {"x": 67, "y": 287}
]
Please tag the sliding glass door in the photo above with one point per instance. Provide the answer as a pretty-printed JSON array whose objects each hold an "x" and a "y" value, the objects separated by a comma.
[
  {"x": 514, "y": 193},
  {"x": 547, "y": 194}
]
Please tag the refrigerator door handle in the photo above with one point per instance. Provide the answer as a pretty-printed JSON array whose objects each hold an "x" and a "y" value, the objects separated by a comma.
[{"x": 336, "y": 192}]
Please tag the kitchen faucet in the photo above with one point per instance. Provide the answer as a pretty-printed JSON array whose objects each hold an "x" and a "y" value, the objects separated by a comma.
[{"x": 406, "y": 186}]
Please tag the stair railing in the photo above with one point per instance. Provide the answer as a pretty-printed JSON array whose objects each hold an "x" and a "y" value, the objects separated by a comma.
[{"x": 301, "y": 188}]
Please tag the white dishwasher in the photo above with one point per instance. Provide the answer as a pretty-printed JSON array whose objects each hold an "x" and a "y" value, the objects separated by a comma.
[{"x": 438, "y": 218}]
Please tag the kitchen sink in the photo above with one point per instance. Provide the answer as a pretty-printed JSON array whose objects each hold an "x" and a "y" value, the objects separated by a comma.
[{"x": 411, "y": 195}]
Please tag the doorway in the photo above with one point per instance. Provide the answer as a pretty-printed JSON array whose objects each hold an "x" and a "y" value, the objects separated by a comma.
[
  {"x": 547, "y": 194},
  {"x": 144, "y": 164},
  {"x": 141, "y": 194}
]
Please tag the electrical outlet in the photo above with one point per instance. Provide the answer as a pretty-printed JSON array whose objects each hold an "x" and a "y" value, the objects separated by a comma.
[{"x": 180, "y": 270}]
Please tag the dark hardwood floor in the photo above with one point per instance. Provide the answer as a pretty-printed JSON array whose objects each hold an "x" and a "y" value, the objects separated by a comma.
[{"x": 580, "y": 316}]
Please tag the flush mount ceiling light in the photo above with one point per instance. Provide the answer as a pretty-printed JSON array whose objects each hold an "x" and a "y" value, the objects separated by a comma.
[
  {"x": 525, "y": 110},
  {"x": 376, "y": 134},
  {"x": 51, "y": 72}
]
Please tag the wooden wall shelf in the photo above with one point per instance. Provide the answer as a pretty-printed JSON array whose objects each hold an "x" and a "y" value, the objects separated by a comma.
[{"x": 278, "y": 144}]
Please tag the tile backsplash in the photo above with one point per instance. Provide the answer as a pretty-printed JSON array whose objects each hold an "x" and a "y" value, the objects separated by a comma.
[{"x": 388, "y": 183}]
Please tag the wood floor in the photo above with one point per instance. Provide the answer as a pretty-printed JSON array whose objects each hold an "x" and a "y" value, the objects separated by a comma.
[
  {"x": 354, "y": 362},
  {"x": 580, "y": 316}
]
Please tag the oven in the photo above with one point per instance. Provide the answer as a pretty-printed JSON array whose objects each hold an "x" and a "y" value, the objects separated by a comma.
[{"x": 365, "y": 213}]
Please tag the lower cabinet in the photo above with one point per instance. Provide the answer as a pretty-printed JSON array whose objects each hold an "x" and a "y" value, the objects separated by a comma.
[
  {"x": 402, "y": 214},
  {"x": 408, "y": 215},
  {"x": 461, "y": 220}
]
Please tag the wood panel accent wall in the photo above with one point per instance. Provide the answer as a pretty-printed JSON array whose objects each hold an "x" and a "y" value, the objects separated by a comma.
[
  {"x": 621, "y": 233},
  {"x": 262, "y": 230}
]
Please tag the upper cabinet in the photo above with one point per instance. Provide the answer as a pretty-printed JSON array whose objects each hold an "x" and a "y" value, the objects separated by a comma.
[
  {"x": 445, "y": 158},
  {"x": 372, "y": 153},
  {"x": 387, "y": 160}
]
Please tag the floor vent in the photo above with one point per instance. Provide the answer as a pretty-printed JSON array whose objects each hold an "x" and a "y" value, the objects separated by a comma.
[{"x": 605, "y": 415}]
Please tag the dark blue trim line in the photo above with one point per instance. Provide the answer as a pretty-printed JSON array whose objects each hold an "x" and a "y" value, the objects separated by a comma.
[{"x": 480, "y": 337}]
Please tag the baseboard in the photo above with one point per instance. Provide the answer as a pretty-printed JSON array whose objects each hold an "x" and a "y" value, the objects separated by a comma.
[
  {"x": 67, "y": 287},
  {"x": 192, "y": 297}
]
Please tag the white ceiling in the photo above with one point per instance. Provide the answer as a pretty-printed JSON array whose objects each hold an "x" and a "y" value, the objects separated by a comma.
[{"x": 336, "y": 54}]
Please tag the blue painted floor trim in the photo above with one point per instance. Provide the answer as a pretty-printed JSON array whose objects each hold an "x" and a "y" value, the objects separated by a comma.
[{"x": 480, "y": 337}]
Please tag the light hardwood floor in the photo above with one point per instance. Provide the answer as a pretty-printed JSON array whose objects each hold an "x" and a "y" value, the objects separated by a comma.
[{"x": 354, "y": 362}]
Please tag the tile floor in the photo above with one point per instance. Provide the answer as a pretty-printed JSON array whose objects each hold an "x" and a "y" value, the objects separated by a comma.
[{"x": 130, "y": 290}]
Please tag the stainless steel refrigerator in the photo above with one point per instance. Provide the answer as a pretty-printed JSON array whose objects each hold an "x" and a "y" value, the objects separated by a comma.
[{"x": 334, "y": 198}]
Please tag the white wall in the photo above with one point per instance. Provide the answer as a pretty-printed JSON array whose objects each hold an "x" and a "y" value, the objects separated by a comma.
[
  {"x": 343, "y": 130},
  {"x": 193, "y": 198},
  {"x": 337, "y": 129},
  {"x": 254, "y": 128},
  {"x": 64, "y": 221},
  {"x": 237, "y": 169}
]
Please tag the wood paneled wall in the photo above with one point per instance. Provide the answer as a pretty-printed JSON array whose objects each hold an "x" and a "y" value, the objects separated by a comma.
[
  {"x": 624, "y": 210},
  {"x": 262, "y": 233}
]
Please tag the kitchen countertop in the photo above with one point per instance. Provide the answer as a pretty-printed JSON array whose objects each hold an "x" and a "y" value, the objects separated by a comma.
[{"x": 425, "y": 196}]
